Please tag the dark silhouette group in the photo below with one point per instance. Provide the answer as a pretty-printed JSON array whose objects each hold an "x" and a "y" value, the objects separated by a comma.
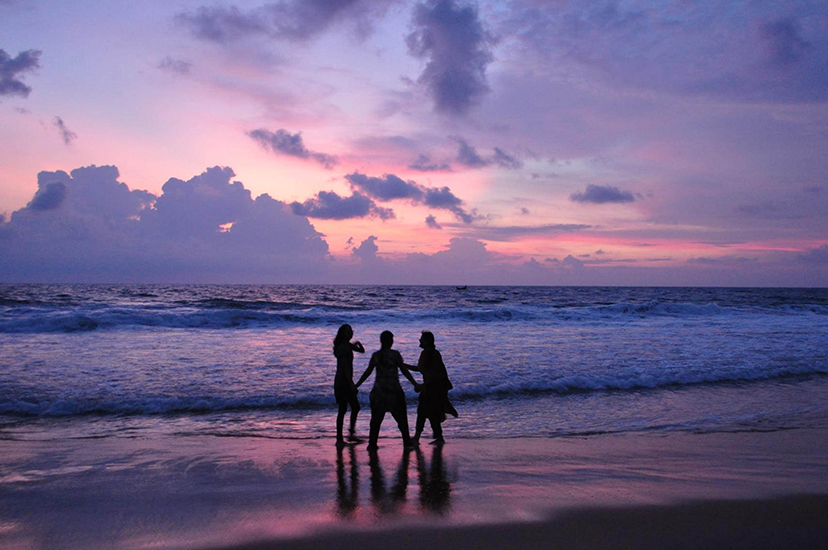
[{"x": 387, "y": 395}]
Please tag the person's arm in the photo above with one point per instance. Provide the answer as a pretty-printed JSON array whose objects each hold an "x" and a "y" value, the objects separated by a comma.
[
  {"x": 408, "y": 375},
  {"x": 357, "y": 346},
  {"x": 367, "y": 372}
]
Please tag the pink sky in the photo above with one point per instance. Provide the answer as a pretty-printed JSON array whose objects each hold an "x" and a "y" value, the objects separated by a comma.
[{"x": 438, "y": 142}]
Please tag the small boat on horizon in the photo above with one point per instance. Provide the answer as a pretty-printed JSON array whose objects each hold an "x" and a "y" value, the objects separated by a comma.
[{"x": 464, "y": 287}]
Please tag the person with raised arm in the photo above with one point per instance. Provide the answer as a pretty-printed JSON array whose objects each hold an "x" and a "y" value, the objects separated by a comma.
[{"x": 344, "y": 389}]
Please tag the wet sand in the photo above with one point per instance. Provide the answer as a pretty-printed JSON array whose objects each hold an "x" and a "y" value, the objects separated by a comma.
[{"x": 721, "y": 490}]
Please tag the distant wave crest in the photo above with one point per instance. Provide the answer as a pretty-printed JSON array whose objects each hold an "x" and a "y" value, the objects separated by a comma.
[{"x": 240, "y": 314}]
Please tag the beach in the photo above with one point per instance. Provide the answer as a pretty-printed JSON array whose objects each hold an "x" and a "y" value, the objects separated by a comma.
[{"x": 746, "y": 489}]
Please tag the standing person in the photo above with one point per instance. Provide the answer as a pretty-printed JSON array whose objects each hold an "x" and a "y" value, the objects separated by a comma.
[
  {"x": 344, "y": 389},
  {"x": 434, "y": 401},
  {"x": 387, "y": 394}
]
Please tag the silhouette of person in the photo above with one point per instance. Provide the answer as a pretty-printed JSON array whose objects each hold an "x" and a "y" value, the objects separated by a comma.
[
  {"x": 435, "y": 489},
  {"x": 434, "y": 402},
  {"x": 387, "y": 394},
  {"x": 344, "y": 389},
  {"x": 347, "y": 487}
]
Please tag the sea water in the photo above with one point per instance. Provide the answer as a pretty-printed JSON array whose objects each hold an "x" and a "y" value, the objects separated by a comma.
[{"x": 131, "y": 361}]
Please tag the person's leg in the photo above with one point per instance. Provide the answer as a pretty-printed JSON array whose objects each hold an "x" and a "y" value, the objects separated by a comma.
[
  {"x": 340, "y": 420},
  {"x": 401, "y": 416},
  {"x": 354, "y": 412},
  {"x": 421, "y": 418},
  {"x": 376, "y": 422},
  {"x": 436, "y": 427}
]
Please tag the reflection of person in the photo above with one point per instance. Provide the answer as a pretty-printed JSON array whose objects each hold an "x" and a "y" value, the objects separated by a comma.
[
  {"x": 387, "y": 394},
  {"x": 435, "y": 489},
  {"x": 434, "y": 401},
  {"x": 347, "y": 494},
  {"x": 385, "y": 500},
  {"x": 344, "y": 389}
]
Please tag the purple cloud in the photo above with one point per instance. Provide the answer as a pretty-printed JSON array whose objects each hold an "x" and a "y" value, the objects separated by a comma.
[
  {"x": 367, "y": 250},
  {"x": 423, "y": 164},
  {"x": 431, "y": 222},
  {"x": 48, "y": 197},
  {"x": 12, "y": 70},
  {"x": 386, "y": 188},
  {"x": 328, "y": 205},
  {"x": 285, "y": 143},
  {"x": 180, "y": 66},
  {"x": 458, "y": 49},
  {"x": 783, "y": 39},
  {"x": 468, "y": 156},
  {"x": 391, "y": 187},
  {"x": 88, "y": 226},
  {"x": 66, "y": 134},
  {"x": 292, "y": 20},
  {"x": 602, "y": 194}
]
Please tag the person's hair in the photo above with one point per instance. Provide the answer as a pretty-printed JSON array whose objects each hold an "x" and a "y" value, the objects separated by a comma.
[
  {"x": 342, "y": 336},
  {"x": 386, "y": 338},
  {"x": 429, "y": 337}
]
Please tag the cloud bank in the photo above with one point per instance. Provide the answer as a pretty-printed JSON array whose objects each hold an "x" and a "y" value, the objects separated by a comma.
[{"x": 88, "y": 226}]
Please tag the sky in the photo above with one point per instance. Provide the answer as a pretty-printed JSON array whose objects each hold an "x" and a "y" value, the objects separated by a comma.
[{"x": 414, "y": 142}]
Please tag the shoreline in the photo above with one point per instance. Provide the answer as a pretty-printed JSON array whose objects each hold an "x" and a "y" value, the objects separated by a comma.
[{"x": 196, "y": 492}]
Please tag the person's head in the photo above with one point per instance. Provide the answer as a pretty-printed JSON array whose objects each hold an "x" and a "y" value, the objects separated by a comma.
[
  {"x": 387, "y": 339},
  {"x": 427, "y": 339},
  {"x": 344, "y": 334}
]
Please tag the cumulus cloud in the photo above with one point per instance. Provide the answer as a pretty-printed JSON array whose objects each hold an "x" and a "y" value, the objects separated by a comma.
[
  {"x": 328, "y": 205},
  {"x": 451, "y": 37},
  {"x": 602, "y": 194},
  {"x": 88, "y": 226},
  {"x": 284, "y": 143},
  {"x": 367, "y": 250},
  {"x": 66, "y": 134},
  {"x": 423, "y": 164},
  {"x": 48, "y": 197},
  {"x": 14, "y": 69},
  {"x": 180, "y": 66},
  {"x": 391, "y": 187},
  {"x": 468, "y": 156},
  {"x": 292, "y": 20}
]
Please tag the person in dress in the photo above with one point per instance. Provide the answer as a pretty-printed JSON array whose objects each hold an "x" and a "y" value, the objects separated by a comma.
[
  {"x": 434, "y": 402},
  {"x": 387, "y": 394},
  {"x": 344, "y": 389}
]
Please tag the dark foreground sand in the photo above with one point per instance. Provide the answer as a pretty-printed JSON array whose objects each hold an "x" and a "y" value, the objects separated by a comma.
[
  {"x": 724, "y": 490},
  {"x": 789, "y": 523}
]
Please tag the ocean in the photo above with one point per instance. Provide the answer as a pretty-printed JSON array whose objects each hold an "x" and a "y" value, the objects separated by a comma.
[{"x": 133, "y": 361}]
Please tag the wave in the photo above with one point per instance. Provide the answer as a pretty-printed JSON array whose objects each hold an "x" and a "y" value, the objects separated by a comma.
[
  {"x": 221, "y": 313},
  {"x": 528, "y": 389}
]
